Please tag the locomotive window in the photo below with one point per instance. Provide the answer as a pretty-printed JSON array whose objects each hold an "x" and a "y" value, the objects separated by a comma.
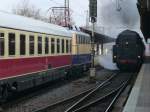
[
  {"x": 22, "y": 44},
  {"x": 31, "y": 46},
  {"x": 39, "y": 45},
  {"x": 67, "y": 46},
  {"x": 52, "y": 45},
  {"x": 58, "y": 46},
  {"x": 63, "y": 45},
  {"x": 1, "y": 44},
  {"x": 11, "y": 40},
  {"x": 46, "y": 45}
]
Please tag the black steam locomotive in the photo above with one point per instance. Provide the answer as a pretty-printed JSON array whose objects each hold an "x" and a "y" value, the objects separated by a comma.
[{"x": 128, "y": 53}]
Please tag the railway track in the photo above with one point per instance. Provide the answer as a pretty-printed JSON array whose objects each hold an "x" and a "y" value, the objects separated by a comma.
[
  {"x": 101, "y": 96},
  {"x": 63, "y": 105},
  {"x": 43, "y": 98},
  {"x": 102, "y": 104}
]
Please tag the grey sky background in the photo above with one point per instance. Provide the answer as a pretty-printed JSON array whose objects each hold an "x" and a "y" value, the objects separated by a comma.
[
  {"x": 108, "y": 16},
  {"x": 78, "y": 7}
]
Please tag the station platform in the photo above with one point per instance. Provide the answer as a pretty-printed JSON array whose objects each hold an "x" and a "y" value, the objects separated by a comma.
[
  {"x": 147, "y": 53},
  {"x": 139, "y": 99}
]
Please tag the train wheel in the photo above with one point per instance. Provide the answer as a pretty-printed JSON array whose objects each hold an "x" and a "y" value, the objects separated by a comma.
[{"x": 5, "y": 94}]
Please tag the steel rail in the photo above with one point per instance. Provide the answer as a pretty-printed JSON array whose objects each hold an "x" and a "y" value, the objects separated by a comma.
[
  {"x": 116, "y": 91},
  {"x": 90, "y": 93},
  {"x": 82, "y": 94}
]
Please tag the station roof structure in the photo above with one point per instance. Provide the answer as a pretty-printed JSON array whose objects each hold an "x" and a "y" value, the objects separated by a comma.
[{"x": 99, "y": 37}]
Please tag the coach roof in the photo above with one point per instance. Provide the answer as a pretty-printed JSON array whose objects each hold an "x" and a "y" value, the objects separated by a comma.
[{"x": 13, "y": 21}]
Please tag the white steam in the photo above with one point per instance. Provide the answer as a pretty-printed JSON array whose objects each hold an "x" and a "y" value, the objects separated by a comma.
[
  {"x": 105, "y": 60},
  {"x": 109, "y": 16}
]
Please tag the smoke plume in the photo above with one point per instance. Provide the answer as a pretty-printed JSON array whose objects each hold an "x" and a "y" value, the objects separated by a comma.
[{"x": 110, "y": 15}]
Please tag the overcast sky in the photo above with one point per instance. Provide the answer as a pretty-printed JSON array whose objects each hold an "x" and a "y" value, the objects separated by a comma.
[
  {"x": 79, "y": 7},
  {"x": 108, "y": 16}
]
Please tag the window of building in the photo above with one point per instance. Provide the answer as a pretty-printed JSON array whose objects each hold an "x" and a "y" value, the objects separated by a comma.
[
  {"x": 67, "y": 46},
  {"x": 11, "y": 40},
  {"x": 39, "y": 45},
  {"x": 46, "y": 45},
  {"x": 1, "y": 44},
  {"x": 58, "y": 46},
  {"x": 31, "y": 45},
  {"x": 22, "y": 44},
  {"x": 63, "y": 45},
  {"x": 52, "y": 45}
]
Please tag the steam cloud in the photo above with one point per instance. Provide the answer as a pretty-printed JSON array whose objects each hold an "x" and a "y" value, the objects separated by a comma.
[{"x": 109, "y": 16}]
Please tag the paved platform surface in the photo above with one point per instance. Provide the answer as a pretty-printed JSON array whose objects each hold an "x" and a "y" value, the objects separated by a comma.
[
  {"x": 147, "y": 53},
  {"x": 139, "y": 99},
  {"x": 147, "y": 50}
]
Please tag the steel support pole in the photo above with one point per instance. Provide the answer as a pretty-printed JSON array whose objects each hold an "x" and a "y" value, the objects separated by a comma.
[
  {"x": 93, "y": 51},
  {"x": 92, "y": 69}
]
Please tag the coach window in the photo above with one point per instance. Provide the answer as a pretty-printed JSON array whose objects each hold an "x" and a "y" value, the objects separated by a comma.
[
  {"x": 1, "y": 44},
  {"x": 58, "y": 46},
  {"x": 39, "y": 45},
  {"x": 77, "y": 39},
  {"x": 52, "y": 45},
  {"x": 85, "y": 40},
  {"x": 31, "y": 45},
  {"x": 11, "y": 40},
  {"x": 70, "y": 45},
  {"x": 80, "y": 40},
  {"x": 67, "y": 46},
  {"x": 63, "y": 45},
  {"x": 46, "y": 45},
  {"x": 22, "y": 44}
]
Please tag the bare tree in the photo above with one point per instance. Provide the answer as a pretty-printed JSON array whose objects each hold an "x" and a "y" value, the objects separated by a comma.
[{"x": 24, "y": 8}]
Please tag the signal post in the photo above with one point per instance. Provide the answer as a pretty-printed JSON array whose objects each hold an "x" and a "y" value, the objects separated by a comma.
[{"x": 93, "y": 19}]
